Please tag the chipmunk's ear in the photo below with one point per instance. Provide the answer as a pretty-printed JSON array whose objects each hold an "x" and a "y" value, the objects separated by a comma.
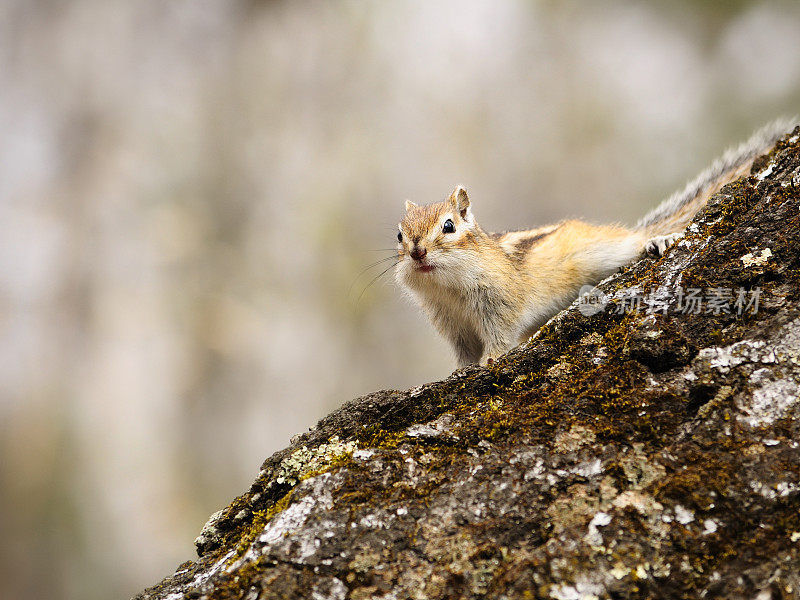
[
  {"x": 460, "y": 201},
  {"x": 410, "y": 205}
]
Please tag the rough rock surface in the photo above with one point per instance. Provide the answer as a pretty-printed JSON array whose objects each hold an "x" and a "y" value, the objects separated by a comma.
[{"x": 633, "y": 455}]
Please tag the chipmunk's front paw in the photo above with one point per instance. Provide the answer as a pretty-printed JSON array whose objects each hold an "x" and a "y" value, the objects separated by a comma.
[
  {"x": 490, "y": 358},
  {"x": 658, "y": 245}
]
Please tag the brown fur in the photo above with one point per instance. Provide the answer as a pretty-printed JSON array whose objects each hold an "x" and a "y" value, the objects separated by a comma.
[{"x": 486, "y": 292}]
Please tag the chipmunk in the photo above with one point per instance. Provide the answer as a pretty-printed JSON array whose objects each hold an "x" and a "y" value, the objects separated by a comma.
[{"x": 487, "y": 292}]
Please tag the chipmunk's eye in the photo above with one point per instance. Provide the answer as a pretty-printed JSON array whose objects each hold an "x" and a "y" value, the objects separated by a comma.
[
  {"x": 400, "y": 236},
  {"x": 448, "y": 227}
]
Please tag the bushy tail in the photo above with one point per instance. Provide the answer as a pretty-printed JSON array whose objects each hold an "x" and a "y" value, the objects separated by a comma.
[{"x": 675, "y": 213}]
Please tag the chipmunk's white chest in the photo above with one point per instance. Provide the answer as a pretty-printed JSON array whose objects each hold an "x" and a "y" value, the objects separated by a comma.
[{"x": 450, "y": 293}]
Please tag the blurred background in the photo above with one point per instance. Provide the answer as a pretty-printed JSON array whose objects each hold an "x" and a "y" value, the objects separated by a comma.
[{"x": 189, "y": 190}]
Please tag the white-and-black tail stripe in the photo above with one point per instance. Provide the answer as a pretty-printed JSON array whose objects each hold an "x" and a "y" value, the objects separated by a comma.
[{"x": 760, "y": 142}]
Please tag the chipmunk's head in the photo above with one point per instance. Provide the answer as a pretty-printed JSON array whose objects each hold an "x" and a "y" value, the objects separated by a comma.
[{"x": 436, "y": 238}]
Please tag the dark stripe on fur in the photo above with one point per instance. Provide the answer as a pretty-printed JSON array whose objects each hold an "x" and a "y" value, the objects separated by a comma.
[{"x": 523, "y": 246}]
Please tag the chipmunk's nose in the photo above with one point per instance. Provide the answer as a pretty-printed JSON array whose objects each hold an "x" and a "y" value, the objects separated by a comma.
[{"x": 418, "y": 253}]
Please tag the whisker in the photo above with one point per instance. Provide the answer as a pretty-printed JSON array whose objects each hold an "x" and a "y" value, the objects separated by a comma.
[
  {"x": 377, "y": 262},
  {"x": 374, "y": 279},
  {"x": 367, "y": 268},
  {"x": 374, "y": 264}
]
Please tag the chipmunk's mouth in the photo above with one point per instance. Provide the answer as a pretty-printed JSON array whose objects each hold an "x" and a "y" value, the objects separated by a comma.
[{"x": 425, "y": 268}]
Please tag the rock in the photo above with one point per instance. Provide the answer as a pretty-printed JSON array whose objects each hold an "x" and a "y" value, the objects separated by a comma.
[{"x": 622, "y": 454}]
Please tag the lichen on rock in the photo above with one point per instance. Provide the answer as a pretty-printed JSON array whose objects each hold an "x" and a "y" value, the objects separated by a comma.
[
  {"x": 619, "y": 455},
  {"x": 303, "y": 461}
]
